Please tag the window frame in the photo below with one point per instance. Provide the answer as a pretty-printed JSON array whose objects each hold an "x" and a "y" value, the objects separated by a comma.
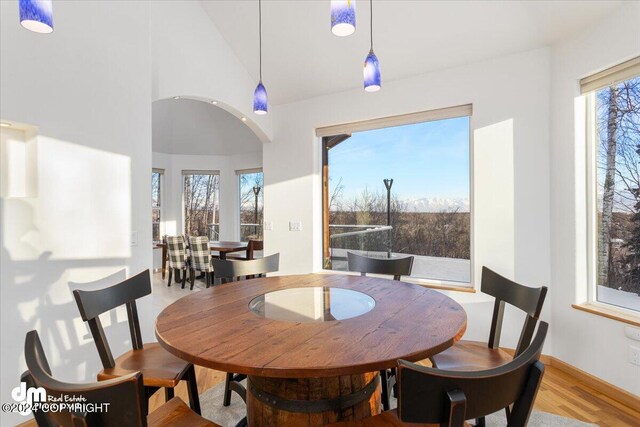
[
  {"x": 160, "y": 207},
  {"x": 589, "y": 86},
  {"x": 325, "y": 135},
  {"x": 239, "y": 173},
  {"x": 184, "y": 174}
]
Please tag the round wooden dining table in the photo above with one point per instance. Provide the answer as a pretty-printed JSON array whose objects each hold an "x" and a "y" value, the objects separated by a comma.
[{"x": 311, "y": 345}]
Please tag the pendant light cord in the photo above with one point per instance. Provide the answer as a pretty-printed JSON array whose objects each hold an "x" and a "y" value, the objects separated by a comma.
[
  {"x": 371, "y": 21},
  {"x": 260, "y": 36}
]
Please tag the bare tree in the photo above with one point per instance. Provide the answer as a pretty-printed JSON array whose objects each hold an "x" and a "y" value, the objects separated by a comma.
[{"x": 609, "y": 188}]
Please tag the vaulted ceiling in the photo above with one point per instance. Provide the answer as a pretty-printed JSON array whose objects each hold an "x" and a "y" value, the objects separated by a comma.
[{"x": 303, "y": 59}]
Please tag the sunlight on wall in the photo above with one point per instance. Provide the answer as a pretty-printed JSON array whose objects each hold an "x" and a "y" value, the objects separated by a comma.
[
  {"x": 17, "y": 163},
  {"x": 83, "y": 210},
  {"x": 493, "y": 186},
  {"x": 66, "y": 224}
]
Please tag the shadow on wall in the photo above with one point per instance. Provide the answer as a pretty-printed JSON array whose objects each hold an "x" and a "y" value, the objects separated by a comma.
[{"x": 72, "y": 232}]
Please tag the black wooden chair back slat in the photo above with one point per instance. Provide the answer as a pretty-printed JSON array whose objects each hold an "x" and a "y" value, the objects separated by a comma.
[
  {"x": 529, "y": 300},
  {"x": 230, "y": 270},
  {"x": 430, "y": 395},
  {"x": 125, "y": 395},
  {"x": 395, "y": 267},
  {"x": 93, "y": 303}
]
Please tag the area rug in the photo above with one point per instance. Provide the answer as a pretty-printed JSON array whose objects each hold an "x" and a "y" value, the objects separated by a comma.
[{"x": 212, "y": 409}]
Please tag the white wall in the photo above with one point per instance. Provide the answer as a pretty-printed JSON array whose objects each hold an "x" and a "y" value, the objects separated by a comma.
[
  {"x": 87, "y": 87},
  {"x": 591, "y": 343},
  {"x": 174, "y": 164},
  {"x": 191, "y": 58},
  {"x": 510, "y": 97}
]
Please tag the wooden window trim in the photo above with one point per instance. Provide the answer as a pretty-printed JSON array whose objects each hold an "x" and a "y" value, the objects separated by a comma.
[
  {"x": 612, "y": 314},
  {"x": 610, "y": 76},
  {"x": 400, "y": 120}
]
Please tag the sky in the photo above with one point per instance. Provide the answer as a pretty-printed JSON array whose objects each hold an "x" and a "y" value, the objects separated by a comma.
[{"x": 425, "y": 160}]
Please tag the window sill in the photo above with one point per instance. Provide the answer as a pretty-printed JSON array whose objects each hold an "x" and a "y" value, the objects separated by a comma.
[{"x": 631, "y": 319}]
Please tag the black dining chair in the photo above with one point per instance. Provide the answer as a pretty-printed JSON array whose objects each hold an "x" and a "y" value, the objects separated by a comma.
[
  {"x": 233, "y": 270},
  {"x": 160, "y": 368},
  {"x": 474, "y": 355},
  {"x": 437, "y": 397},
  {"x": 396, "y": 267},
  {"x": 121, "y": 401},
  {"x": 226, "y": 270}
]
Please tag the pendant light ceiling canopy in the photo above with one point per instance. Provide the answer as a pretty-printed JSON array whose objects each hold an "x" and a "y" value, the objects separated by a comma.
[
  {"x": 37, "y": 15},
  {"x": 260, "y": 99},
  {"x": 343, "y": 17},
  {"x": 371, "y": 72}
]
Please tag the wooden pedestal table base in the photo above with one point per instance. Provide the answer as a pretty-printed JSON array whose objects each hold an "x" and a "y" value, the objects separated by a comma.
[{"x": 312, "y": 401}]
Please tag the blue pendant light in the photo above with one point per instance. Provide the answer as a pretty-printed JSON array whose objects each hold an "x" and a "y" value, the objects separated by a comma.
[
  {"x": 260, "y": 103},
  {"x": 343, "y": 17},
  {"x": 371, "y": 72},
  {"x": 260, "y": 99},
  {"x": 37, "y": 15}
]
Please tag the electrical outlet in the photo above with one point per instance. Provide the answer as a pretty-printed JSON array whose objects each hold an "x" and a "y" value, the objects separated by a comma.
[
  {"x": 295, "y": 226},
  {"x": 268, "y": 226},
  {"x": 632, "y": 333},
  {"x": 634, "y": 355}
]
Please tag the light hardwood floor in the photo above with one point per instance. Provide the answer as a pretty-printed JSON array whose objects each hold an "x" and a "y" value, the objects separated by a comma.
[{"x": 559, "y": 394}]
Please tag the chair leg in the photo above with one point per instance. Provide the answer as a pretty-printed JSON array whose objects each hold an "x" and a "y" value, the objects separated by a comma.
[
  {"x": 192, "y": 277},
  {"x": 168, "y": 393},
  {"x": 480, "y": 422},
  {"x": 184, "y": 278},
  {"x": 194, "y": 398},
  {"x": 227, "y": 390},
  {"x": 385, "y": 390},
  {"x": 170, "y": 276}
]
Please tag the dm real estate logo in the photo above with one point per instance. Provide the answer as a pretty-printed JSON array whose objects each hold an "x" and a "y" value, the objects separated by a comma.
[{"x": 26, "y": 397}]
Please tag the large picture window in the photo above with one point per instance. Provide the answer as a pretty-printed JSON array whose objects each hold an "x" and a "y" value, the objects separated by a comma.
[
  {"x": 202, "y": 203},
  {"x": 613, "y": 101},
  {"x": 251, "y": 204},
  {"x": 402, "y": 189}
]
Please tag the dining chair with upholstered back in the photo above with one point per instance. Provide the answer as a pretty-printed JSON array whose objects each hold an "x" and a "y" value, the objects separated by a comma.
[
  {"x": 200, "y": 257},
  {"x": 436, "y": 397},
  {"x": 160, "y": 368},
  {"x": 177, "y": 254},
  {"x": 396, "y": 267},
  {"x": 233, "y": 270},
  {"x": 111, "y": 403}
]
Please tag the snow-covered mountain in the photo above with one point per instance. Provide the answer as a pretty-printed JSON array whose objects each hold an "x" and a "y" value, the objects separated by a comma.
[{"x": 437, "y": 204}]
